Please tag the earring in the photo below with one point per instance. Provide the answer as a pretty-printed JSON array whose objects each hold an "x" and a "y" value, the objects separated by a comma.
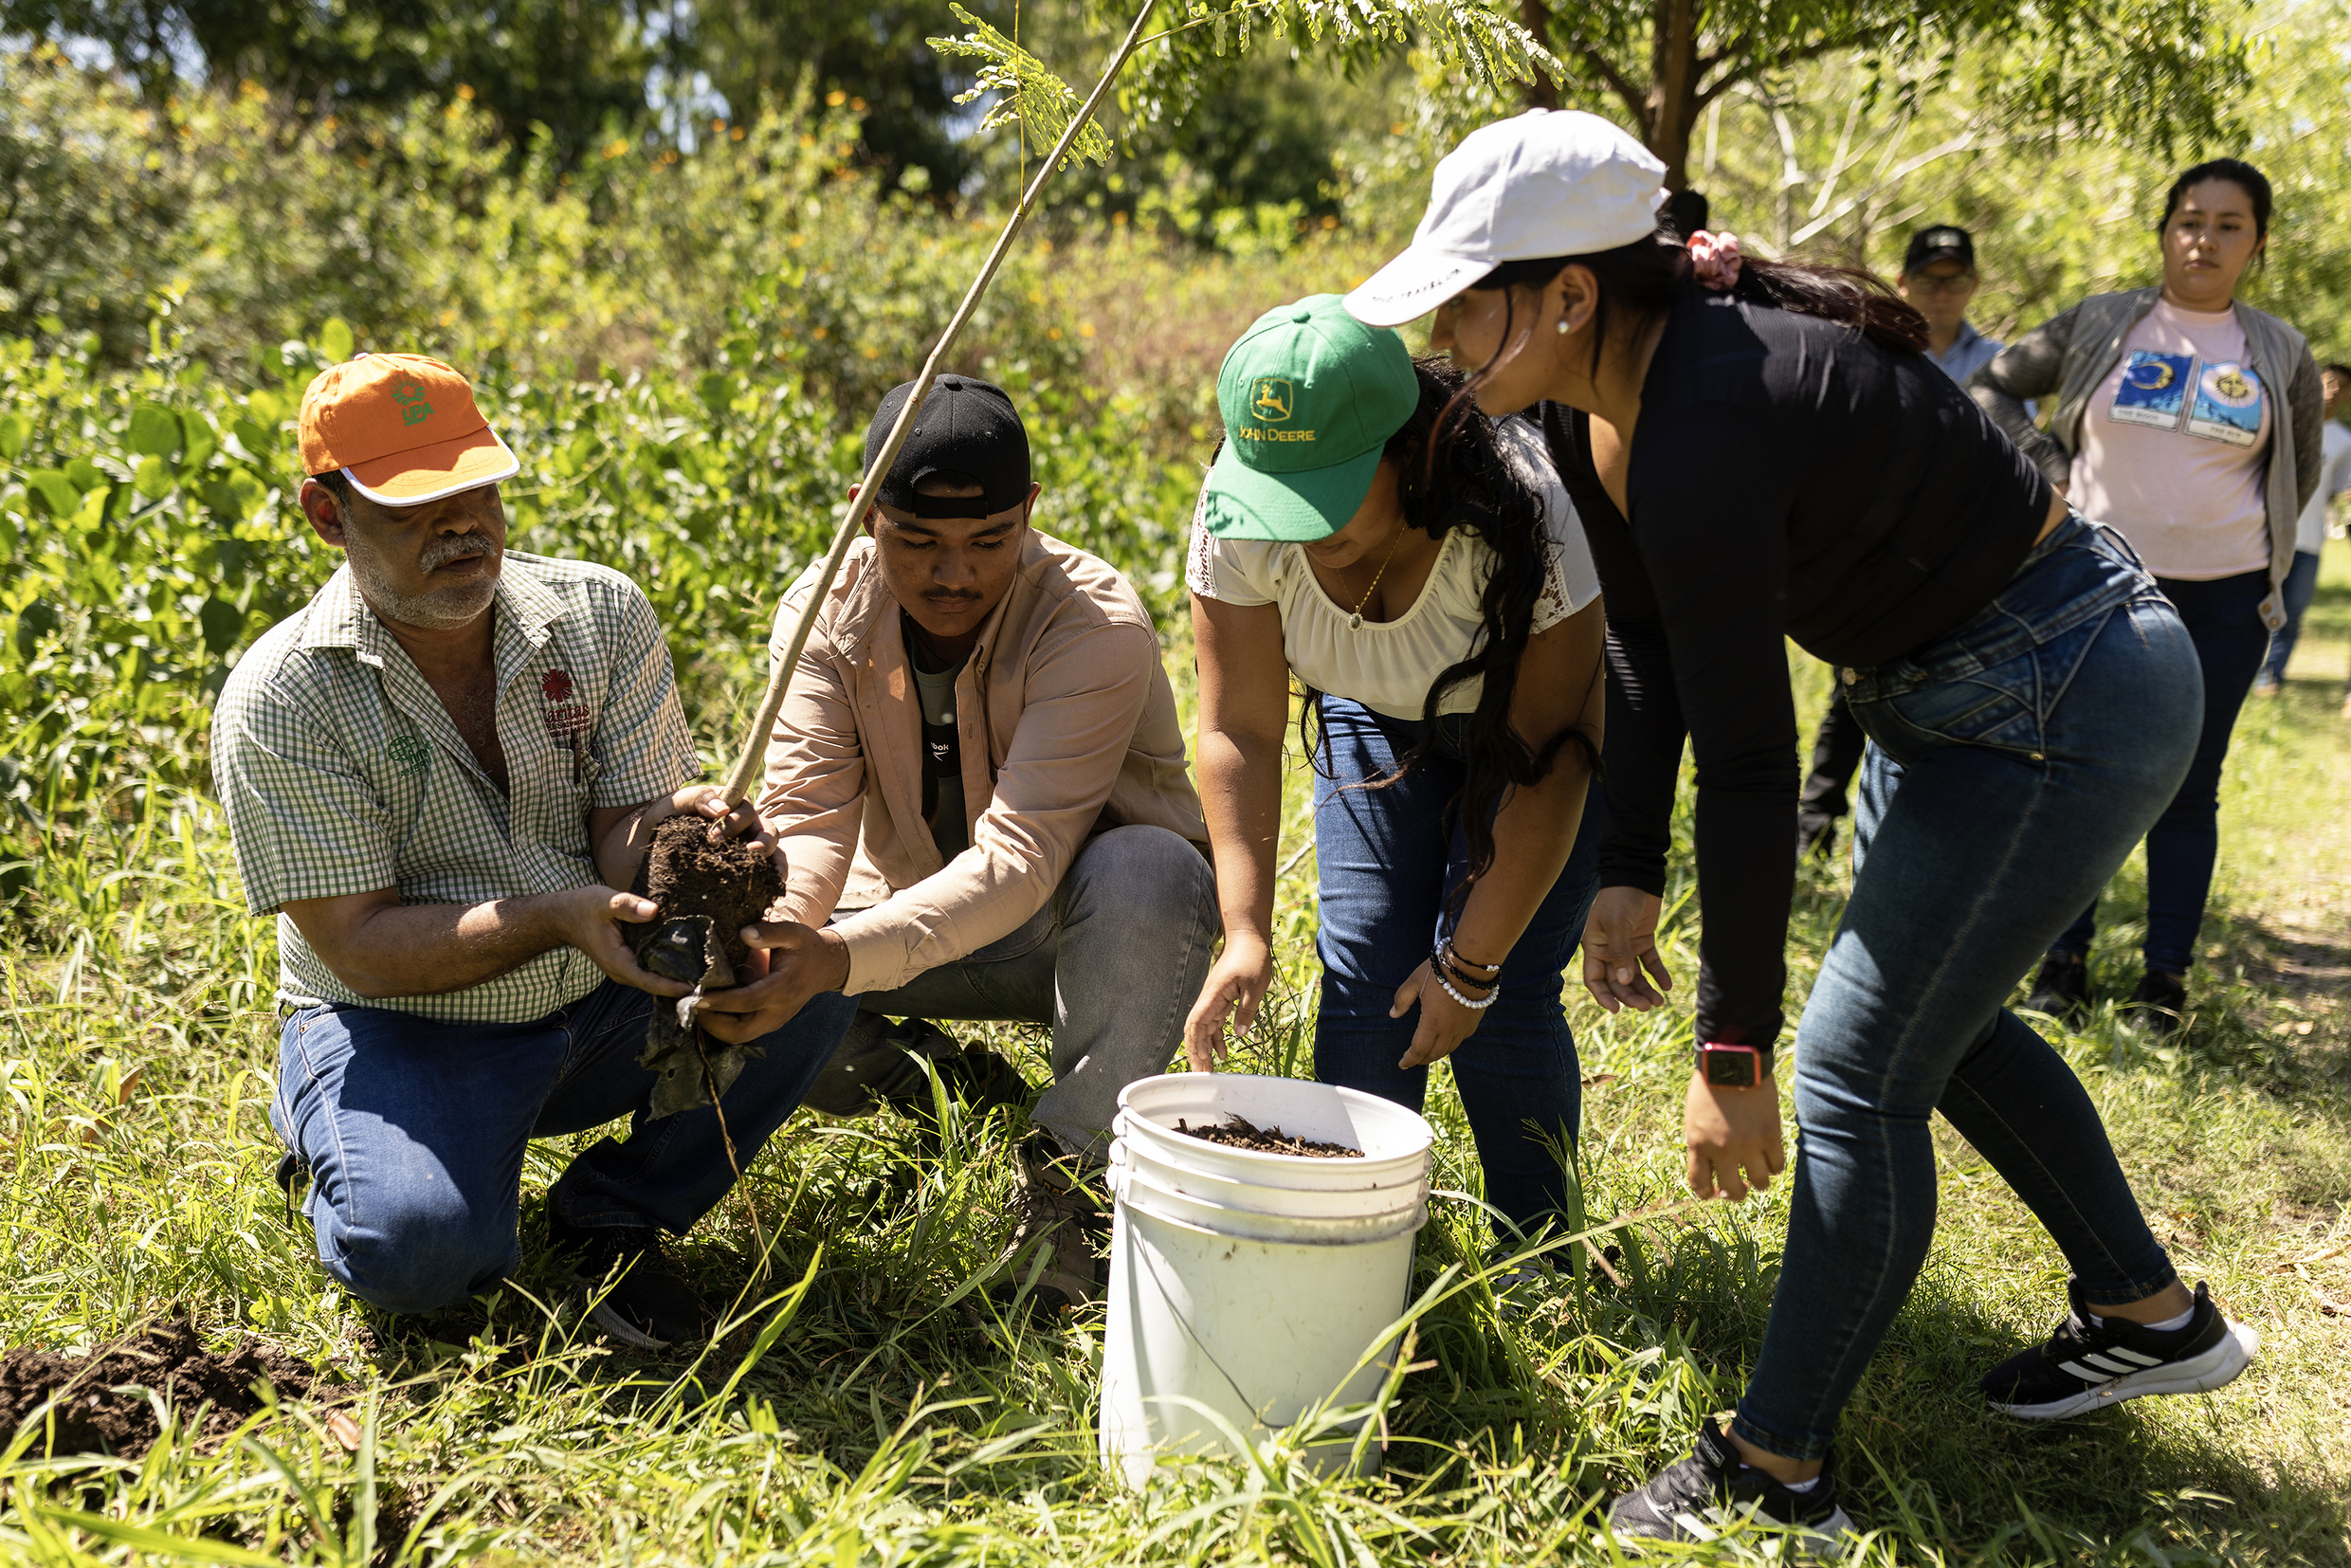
[{"x": 1562, "y": 326}]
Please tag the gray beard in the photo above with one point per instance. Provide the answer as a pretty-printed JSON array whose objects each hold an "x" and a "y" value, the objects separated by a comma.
[{"x": 439, "y": 610}]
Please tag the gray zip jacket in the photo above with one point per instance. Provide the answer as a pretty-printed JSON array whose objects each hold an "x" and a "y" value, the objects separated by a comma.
[{"x": 2070, "y": 355}]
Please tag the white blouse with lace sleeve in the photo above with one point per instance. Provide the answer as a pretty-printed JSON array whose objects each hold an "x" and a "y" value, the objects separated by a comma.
[{"x": 1390, "y": 666}]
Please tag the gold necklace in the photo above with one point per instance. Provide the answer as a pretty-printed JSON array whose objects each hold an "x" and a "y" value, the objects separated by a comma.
[{"x": 1355, "y": 622}]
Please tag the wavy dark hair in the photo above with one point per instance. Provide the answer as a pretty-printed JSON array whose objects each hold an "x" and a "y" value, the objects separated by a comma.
[
  {"x": 1451, "y": 474},
  {"x": 1644, "y": 278}
]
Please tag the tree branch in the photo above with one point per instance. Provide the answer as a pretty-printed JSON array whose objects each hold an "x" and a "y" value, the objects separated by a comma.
[
  {"x": 1795, "y": 54},
  {"x": 1635, "y": 99}
]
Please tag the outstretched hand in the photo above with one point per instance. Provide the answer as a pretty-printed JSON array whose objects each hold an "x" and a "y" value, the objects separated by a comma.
[
  {"x": 1620, "y": 942},
  {"x": 1230, "y": 997},
  {"x": 1732, "y": 1137},
  {"x": 1444, "y": 1022}
]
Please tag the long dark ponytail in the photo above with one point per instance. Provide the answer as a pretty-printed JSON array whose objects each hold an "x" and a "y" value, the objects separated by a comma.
[
  {"x": 1451, "y": 473},
  {"x": 1645, "y": 277}
]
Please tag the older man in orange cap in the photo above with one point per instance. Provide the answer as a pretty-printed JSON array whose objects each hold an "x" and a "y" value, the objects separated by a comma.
[{"x": 438, "y": 774}]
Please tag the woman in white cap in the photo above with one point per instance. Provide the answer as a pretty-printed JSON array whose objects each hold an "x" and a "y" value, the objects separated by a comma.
[
  {"x": 1761, "y": 453},
  {"x": 1418, "y": 568}
]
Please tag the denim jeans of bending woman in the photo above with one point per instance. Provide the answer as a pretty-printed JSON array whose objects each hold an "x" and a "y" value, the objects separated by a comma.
[
  {"x": 2017, "y": 761},
  {"x": 1388, "y": 860},
  {"x": 2223, "y": 618}
]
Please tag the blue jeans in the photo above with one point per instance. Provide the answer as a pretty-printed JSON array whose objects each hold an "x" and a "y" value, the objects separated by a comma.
[
  {"x": 1113, "y": 962},
  {"x": 413, "y": 1131},
  {"x": 2017, "y": 761},
  {"x": 2300, "y": 587},
  {"x": 2223, "y": 618},
  {"x": 1388, "y": 861}
]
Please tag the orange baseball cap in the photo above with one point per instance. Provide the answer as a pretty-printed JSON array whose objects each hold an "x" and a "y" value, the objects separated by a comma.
[{"x": 402, "y": 428}]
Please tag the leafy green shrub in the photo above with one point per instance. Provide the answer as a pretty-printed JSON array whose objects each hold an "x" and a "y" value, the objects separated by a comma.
[{"x": 151, "y": 533}]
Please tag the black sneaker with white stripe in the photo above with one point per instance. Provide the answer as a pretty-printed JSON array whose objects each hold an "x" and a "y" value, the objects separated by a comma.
[
  {"x": 1714, "y": 1490},
  {"x": 2091, "y": 1363}
]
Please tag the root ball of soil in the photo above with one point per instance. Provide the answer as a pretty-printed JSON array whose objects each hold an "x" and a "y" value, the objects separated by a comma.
[
  {"x": 1239, "y": 1133},
  {"x": 731, "y": 881},
  {"x": 104, "y": 1407}
]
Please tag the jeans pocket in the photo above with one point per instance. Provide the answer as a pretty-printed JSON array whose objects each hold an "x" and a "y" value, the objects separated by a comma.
[{"x": 1999, "y": 708}]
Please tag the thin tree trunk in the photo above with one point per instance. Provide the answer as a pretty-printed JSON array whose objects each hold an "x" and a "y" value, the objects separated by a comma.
[
  {"x": 1672, "y": 110},
  {"x": 1535, "y": 16}
]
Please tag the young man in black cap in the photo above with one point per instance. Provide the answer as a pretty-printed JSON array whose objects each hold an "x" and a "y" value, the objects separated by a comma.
[
  {"x": 978, "y": 779},
  {"x": 1937, "y": 279}
]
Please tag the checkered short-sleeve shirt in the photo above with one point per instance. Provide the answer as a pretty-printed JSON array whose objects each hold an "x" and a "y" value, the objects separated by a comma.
[{"x": 341, "y": 771}]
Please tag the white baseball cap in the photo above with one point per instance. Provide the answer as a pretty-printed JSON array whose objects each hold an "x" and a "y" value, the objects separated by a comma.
[{"x": 1549, "y": 182}]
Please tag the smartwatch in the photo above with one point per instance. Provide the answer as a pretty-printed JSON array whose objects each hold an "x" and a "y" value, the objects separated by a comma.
[{"x": 1733, "y": 1067}]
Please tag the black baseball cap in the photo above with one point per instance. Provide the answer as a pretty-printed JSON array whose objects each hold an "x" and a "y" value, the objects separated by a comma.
[
  {"x": 967, "y": 433},
  {"x": 1943, "y": 243}
]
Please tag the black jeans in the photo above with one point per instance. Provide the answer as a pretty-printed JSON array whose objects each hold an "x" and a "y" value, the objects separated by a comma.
[{"x": 1835, "y": 754}]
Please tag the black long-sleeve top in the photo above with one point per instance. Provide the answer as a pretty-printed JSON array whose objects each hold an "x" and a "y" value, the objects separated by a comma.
[{"x": 1789, "y": 479}]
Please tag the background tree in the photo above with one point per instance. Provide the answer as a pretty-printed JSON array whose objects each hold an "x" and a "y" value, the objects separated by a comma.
[{"x": 2157, "y": 73}]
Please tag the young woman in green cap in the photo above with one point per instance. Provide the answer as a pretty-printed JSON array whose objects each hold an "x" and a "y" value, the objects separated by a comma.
[{"x": 1417, "y": 568}]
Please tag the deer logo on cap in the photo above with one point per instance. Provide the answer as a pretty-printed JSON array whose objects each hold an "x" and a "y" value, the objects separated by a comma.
[
  {"x": 1273, "y": 398},
  {"x": 411, "y": 396}
]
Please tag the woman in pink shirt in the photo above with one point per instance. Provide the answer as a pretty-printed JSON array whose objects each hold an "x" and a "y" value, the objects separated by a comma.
[{"x": 2190, "y": 422}]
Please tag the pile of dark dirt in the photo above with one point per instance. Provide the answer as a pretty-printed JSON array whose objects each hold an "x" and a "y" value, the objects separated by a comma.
[
  {"x": 708, "y": 890},
  {"x": 103, "y": 1405},
  {"x": 1239, "y": 1133},
  {"x": 731, "y": 881}
]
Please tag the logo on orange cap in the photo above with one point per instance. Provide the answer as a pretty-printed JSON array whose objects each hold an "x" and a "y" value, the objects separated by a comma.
[{"x": 403, "y": 428}]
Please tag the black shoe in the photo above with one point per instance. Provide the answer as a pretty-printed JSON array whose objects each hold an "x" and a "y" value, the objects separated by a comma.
[
  {"x": 2088, "y": 1365},
  {"x": 2062, "y": 988},
  {"x": 639, "y": 1299},
  {"x": 2158, "y": 1009},
  {"x": 1714, "y": 1489},
  {"x": 1814, "y": 836}
]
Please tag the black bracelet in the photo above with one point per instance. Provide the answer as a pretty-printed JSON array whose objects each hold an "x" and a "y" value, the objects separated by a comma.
[{"x": 1446, "y": 962}]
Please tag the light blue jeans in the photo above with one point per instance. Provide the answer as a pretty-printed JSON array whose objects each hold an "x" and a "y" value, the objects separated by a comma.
[
  {"x": 413, "y": 1131},
  {"x": 2017, "y": 761},
  {"x": 1113, "y": 962}
]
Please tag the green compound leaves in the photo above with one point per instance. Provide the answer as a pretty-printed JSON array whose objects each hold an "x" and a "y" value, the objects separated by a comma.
[
  {"x": 1032, "y": 94},
  {"x": 1480, "y": 41}
]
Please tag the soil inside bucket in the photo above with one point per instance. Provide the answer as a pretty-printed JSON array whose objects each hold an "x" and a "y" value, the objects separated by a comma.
[
  {"x": 1240, "y": 1132},
  {"x": 103, "y": 1405}
]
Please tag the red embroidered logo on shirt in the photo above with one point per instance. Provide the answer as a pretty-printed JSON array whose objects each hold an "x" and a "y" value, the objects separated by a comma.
[{"x": 564, "y": 717}]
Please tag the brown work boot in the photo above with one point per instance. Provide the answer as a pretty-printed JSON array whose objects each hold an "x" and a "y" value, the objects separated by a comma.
[{"x": 1061, "y": 1212}]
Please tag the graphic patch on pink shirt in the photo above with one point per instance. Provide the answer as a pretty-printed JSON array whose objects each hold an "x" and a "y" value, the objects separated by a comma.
[{"x": 2155, "y": 388}]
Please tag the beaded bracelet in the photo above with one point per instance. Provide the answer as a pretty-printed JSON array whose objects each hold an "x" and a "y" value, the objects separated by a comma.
[
  {"x": 1441, "y": 967},
  {"x": 1491, "y": 998}
]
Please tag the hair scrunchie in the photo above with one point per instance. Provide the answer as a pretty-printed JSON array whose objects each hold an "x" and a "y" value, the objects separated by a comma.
[{"x": 1715, "y": 259}]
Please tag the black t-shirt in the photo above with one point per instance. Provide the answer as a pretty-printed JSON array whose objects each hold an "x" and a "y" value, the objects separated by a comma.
[{"x": 1789, "y": 479}]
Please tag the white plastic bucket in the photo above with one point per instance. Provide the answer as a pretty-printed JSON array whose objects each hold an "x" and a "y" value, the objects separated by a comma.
[
  {"x": 1242, "y": 1283},
  {"x": 1395, "y": 1141}
]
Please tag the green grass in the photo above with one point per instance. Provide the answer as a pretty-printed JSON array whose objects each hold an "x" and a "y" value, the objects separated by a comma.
[{"x": 863, "y": 1407}]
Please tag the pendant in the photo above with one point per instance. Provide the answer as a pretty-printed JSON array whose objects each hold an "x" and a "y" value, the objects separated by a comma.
[{"x": 1355, "y": 622}]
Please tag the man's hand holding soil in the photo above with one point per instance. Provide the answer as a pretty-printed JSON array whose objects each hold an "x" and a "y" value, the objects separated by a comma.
[{"x": 792, "y": 962}]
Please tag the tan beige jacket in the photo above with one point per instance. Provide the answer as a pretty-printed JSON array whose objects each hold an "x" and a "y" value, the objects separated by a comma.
[{"x": 1068, "y": 728}]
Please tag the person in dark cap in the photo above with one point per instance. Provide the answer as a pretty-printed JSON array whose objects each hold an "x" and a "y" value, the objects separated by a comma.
[
  {"x": 1939, "y": 279},
  {"x": 979, "y": 785}
]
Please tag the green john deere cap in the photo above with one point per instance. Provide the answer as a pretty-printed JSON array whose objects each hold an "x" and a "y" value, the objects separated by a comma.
[{"x": 1311, "y": 395}]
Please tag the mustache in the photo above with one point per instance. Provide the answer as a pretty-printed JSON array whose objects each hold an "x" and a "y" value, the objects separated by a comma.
[{"x": 441, "y": 551}]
